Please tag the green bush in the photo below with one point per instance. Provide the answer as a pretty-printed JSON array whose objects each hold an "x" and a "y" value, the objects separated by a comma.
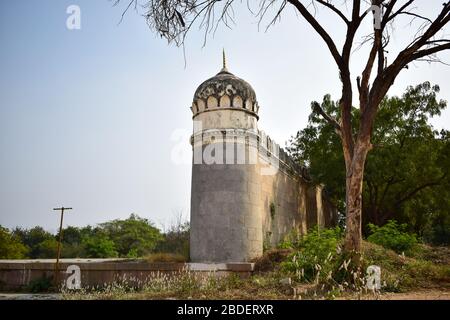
[
  {"x": 43, "y": 284},
  {"x": 315, "y": 254},
  {"x": 393, "y": 236}
]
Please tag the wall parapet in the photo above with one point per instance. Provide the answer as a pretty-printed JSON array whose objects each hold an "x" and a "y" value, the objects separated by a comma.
[{"x": 19, "y": 274}]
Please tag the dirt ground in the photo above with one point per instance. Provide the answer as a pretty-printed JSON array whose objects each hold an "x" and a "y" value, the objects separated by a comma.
[
  {"x": 428, "y": 294},
  {"x": 418, "y": 295},
  {"x": 433, "y": 294}
]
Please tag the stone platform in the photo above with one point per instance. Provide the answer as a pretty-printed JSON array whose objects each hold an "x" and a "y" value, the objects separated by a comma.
[{"x": 16, "y": 275}]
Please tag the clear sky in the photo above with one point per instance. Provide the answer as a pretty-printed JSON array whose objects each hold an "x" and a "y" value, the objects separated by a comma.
[{"x": 97, "y": 118}]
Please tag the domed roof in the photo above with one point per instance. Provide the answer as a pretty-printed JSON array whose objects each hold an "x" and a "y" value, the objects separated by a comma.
[{"x": 225, "y": 90}]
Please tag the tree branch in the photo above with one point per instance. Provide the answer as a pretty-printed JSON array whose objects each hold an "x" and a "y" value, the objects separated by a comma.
[
  {"x": 317, "y": 108},
  {"x": 419, "y": 188},
  {"x": 319, "y": 29},
  {"x": 426, "y": 52},
  {"x": 333, "y": 8}
]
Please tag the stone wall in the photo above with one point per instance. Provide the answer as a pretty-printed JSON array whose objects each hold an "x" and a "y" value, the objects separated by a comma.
[
  {"x": 238, "y": 209},
  {"x": 290, "y": 201},
  {"x": 19, "y": 274},
  {"x": 225, "y": 220}
]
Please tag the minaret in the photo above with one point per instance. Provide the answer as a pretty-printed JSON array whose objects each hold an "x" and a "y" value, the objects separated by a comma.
[{"x": 226, "y": 223}]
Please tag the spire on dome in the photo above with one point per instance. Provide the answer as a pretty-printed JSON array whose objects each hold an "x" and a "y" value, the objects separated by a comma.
[{"x": 224, "y": 62}]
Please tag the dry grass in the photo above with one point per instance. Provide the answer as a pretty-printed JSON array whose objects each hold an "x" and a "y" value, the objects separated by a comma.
[
  {"x": 428, "y": 271},
  {"x": 271, "y": 259},
  {"x": 165, "y": 257}
]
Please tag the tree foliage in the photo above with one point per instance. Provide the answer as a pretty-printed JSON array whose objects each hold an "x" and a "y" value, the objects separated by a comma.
[
  {"x": 407, "y": 173},
  {"x": 99, "y": 247},
  {"x": 10, "y": 245},
  {"x": 133, "y": 237},
  {"x": 393, "y": 236},
  {"x": 176, "y": 238},
  {"x": 129, "y": 238},
  {"x": 39, "y": 242}
]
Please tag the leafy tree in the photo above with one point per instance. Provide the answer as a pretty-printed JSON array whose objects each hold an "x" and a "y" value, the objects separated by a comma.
[
  {"x": 71, "y": 235},
  {"x": 46, "y": 249},
  {"x": 10, "y": 245},
  {"x": 176, "y": 239},
  {"x": 134, "y": 236},
  {"x": 407, "y": 173},
  {"x": 99, "y": 246},
  {"x": 32, "y": 238},
  {"x": 173, "y": 19},
  {"x": 438, "y": 232},
  {"x": 72, "y": 246}
]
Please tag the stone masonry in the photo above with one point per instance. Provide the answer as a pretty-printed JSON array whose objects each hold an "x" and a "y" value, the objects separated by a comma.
[{"x": 247, "y": 193}]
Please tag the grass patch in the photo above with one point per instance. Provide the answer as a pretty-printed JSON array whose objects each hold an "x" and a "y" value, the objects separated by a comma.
[
  {"x": 401, "y": 273},
  {"x": 189, "y": 285},
  {"x": 307, "y": 267}
]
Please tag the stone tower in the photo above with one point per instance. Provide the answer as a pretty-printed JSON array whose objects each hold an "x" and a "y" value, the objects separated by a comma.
[
  {"x": 246, "y": 192},
  {"x": 225, "y": 226}
]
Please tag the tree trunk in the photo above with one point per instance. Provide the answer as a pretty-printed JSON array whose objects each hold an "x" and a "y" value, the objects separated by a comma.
[{"x": 354, "y": 184}]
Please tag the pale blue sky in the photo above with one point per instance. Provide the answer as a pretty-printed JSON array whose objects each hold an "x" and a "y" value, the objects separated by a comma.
[{"x": 90, "y": 118}]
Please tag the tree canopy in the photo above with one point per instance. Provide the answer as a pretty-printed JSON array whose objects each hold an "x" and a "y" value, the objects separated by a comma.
[
  {"x": 128, "y": 238},
  {"x": 10, "y": 246},
  {"x": 407, "y": 172}
]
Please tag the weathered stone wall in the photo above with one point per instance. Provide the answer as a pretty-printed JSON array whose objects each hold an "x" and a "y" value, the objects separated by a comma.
[
  {"x": 225, "y": 213},
  {"x": 290, "y": 202},
  {"x": 19, "y": 274},
  {"x": 237, "y": 209}
]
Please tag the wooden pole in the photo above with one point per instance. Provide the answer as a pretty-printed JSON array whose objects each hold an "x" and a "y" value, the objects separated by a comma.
[{"x": 58, "y": 253}]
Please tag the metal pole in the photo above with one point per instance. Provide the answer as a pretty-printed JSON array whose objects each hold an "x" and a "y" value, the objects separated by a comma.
[{"x": 58, "y": 253}]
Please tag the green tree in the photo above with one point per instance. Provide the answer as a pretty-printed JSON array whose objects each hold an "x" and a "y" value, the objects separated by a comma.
[
  {"x": 176, "y": 239},
  {"x": 407, "y": 172},
  {"x": 46, "y": 249},
  {"x": 72, "y": 246},
  {"x": 10, "y": 245},
  {"x": 71, "y": 235},
  {"x": 32, "y": 238},
  {"x": 99, "y": 246},
  {"x": 132, "y": 237}
]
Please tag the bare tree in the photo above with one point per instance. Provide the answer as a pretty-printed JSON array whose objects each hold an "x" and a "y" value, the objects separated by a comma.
[{"x": 172, "y": 20}]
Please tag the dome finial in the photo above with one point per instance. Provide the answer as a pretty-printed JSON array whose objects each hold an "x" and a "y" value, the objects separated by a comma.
[{"x": 224, "y": 61}]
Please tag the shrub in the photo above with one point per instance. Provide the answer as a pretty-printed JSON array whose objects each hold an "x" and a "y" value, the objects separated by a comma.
[
  {"x": 271, "y": 259},
  {"x": 43, "y": 284},
  {"x": 315, "y": 255},
  {"x": 393, "y": 236}
]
